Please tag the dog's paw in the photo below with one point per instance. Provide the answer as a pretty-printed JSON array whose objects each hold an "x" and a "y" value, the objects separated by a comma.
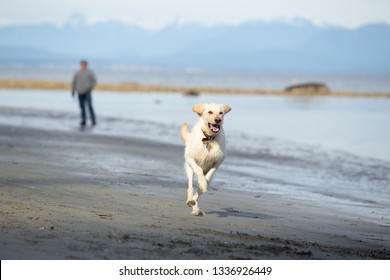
[
  {"x": 197, "y": 212},
  {"x": 190, "y": 202}
]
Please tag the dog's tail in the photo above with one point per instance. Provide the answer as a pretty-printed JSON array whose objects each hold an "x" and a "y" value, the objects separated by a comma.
[{"x": 184, "y": 132}]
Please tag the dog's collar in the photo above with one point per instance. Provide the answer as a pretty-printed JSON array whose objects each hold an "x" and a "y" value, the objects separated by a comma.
[{"x": 207, "y": 138}]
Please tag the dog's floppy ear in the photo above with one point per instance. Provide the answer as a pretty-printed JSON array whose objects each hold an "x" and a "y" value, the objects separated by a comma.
[
  {"x": 227, "y": 108},
  {"x": 198, "y": 108}
]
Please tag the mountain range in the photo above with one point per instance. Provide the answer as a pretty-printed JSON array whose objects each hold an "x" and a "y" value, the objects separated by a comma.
[{"x": 298, "y": 46}]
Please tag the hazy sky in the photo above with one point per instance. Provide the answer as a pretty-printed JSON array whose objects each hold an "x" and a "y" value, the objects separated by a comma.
[{"x": 157, "y": 13}]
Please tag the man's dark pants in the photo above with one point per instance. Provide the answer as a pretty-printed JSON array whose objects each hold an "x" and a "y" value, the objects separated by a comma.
[{"x": 86, "y": 99}]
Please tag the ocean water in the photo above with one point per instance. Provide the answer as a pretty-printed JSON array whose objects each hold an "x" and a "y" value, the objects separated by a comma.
[
  {"x": 359, "y": 126},
  {"x": 192, "y": 77}
]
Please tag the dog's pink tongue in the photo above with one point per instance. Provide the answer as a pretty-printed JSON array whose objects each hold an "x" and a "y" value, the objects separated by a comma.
[{"x": 214, "y": 128}]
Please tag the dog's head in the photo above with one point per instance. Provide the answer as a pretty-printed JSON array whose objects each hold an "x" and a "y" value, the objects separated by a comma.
[{"x": 212, "y": 116}]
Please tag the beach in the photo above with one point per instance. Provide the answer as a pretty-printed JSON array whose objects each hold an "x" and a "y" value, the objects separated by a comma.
[
  {"x": 118, "y": 191},
  {"x": 98, "y": 197}
]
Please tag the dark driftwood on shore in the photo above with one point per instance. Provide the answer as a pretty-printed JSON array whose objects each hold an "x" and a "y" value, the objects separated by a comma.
[
  {"x": 312, "y": 88},
  {"x": 192, "y": 92}
]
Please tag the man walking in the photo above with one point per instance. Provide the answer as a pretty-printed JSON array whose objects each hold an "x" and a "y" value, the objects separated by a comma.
[{"x": 84, "y": 81}]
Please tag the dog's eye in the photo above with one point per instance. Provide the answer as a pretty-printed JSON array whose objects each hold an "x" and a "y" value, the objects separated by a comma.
[
  {"x": 210, "y": 112},
  {"x": 221, "y": 113}
]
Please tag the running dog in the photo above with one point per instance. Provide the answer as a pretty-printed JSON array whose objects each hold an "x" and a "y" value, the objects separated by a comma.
[{"x": 204, "y": 149}]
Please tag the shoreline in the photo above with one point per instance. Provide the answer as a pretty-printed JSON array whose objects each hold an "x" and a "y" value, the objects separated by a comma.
[{"x": 134, "y": 87}]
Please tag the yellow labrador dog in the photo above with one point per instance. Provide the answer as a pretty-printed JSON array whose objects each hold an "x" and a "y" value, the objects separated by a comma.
[{"x": 204, "y": 149}]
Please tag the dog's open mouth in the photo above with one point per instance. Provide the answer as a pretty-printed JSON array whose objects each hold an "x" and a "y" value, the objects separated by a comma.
[{"x": 214, "y": 127}]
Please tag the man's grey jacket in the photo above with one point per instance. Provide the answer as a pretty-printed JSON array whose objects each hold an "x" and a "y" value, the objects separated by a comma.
[{"x": 83, "y": 81}]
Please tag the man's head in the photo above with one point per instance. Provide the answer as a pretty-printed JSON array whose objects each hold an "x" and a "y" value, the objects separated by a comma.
[{"x": 83, "y": 64}]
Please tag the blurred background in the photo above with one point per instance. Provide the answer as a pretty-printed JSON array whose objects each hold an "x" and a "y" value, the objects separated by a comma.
[{"x": 232, "y": 43}]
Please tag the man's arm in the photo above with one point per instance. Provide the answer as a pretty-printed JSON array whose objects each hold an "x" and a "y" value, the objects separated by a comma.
[{"x": 74, "y": 84}]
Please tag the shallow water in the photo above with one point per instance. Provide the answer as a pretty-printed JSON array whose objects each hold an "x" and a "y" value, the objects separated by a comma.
[{"x": 358, "y": 126}]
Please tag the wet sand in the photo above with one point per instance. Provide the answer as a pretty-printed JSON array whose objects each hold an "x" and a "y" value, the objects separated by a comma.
[{"x": 78, "y": 195}]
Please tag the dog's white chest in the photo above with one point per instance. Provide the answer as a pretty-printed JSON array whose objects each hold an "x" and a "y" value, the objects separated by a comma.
[{"x": 209, "y": 155}]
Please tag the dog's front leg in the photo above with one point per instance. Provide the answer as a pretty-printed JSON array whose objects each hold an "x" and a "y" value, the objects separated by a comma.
[
  {"x": 191, "y": 167},
  {"x": 210, "y": 174},
  {"x": 202, "y": 182},
  {"x": 190, "y": 191}
]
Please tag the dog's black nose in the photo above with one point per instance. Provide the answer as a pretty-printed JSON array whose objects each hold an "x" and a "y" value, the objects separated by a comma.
[{"x": 218, "y": 119}]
